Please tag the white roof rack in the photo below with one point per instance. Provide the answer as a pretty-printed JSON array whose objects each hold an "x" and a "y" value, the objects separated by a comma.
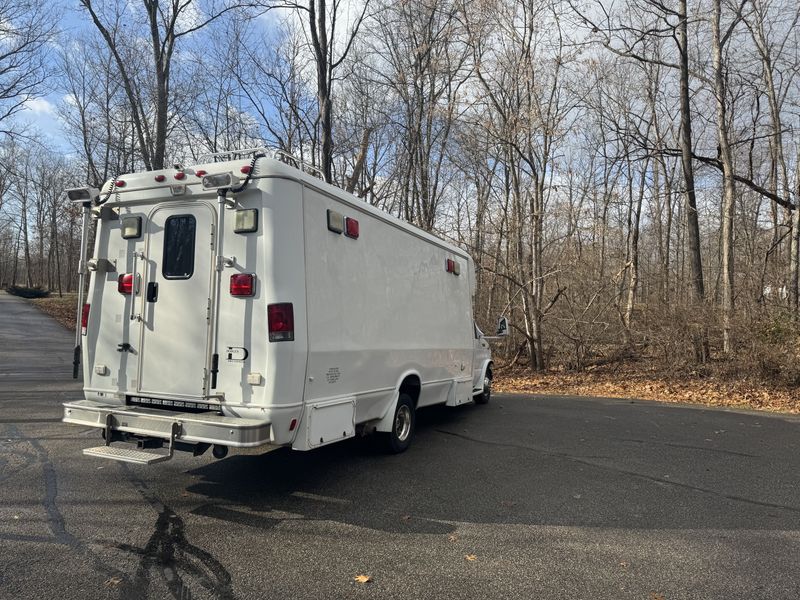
[{"x": 276, "y": 153}]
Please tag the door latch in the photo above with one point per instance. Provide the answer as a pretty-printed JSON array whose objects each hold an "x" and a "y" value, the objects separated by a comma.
[
  {"x": 152, "y": 291},
  {"x": 124, "y": 347}
]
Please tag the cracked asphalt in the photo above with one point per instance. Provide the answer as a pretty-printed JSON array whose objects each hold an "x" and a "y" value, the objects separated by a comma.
[{"x": 553, "y": 497}]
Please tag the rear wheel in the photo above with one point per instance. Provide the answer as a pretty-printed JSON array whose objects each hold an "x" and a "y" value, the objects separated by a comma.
[
  {"x": 399, "y": 438},
  {"x": 486, "y": 394}
]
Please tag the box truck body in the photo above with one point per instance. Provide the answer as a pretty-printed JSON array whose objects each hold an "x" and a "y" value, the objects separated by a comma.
[{"x": 277, "y": 310}]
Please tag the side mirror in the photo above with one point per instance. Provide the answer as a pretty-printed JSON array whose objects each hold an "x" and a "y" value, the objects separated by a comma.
[{"x": 502, "y": 327}]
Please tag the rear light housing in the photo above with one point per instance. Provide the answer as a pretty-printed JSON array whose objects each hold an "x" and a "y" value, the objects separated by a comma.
[
  {"x": 84, "y": 318},
  {"x": 246, "y": 220},
  {"x": 351, "y": 228},
  {"x": 131, "y": 227},
  {"x": 125, "y": 284},
  {"x": 280, "y": 318},
  {"x": 243, "y": 284}
]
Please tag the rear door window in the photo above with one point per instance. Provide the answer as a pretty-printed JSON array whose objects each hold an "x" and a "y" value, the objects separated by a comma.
[{"x": 179, "y": 234}]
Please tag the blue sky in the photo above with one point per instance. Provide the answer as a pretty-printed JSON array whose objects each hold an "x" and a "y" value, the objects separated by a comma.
[{"x": 41, "y": 113}]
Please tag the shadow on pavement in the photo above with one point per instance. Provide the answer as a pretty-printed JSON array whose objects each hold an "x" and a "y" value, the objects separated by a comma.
[{"x": 462, "y": 468}]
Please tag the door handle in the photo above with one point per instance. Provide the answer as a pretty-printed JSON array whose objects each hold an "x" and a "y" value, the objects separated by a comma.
[{"x": 152, "y": 291}]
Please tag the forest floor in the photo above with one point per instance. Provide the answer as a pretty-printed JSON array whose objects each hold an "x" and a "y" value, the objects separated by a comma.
[
  {"x": 62, "y": 309},
  {"x": 639, "y": 379}
]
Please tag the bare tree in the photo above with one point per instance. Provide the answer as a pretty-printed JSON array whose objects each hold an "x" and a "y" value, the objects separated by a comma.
[
  {"x": 26, "y": 28},
  {"x": 165, "y": 23}
]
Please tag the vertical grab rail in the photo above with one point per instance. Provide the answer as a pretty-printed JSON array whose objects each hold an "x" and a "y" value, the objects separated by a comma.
[
  {"x": 136, "y": 286},
  {"x": 218, "y": 266},
  {"x": 82, "y": 270}
]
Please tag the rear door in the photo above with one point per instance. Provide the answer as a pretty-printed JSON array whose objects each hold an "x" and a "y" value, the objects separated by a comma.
[{"x": 176, "y": 291}]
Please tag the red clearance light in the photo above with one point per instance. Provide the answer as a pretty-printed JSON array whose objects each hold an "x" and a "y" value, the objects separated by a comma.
[
  {"x": 160, "y": 178},
  {"x": 351, "y": 228},
  {"x": 84, "y": 318},
  {"x": 243, "y": 284},
  {"x": 292, "y": 424},
  {"x": 245, "y": 169},
  {"x": 450, "y": 265},
  {"x": 119, "y": 183},
  {"x": 280, "y": 318},
  {"x": 125, "y": 283},
  {"x": 200, "y": 173},
  {"x": 180, "y": 175}
]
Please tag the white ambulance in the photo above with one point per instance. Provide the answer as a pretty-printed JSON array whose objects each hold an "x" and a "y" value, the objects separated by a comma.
[{"x": 245, "y": 302}]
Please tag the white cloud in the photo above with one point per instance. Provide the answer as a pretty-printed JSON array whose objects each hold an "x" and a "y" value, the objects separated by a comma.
[{"x": 40, "y": 106}]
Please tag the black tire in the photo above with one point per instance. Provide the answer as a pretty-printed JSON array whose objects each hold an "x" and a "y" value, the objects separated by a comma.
[
  {"x": 486, "y": 394},
  {"x": 404, "y": 424}
]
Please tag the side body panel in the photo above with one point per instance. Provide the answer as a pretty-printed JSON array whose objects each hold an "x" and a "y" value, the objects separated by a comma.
[{"x": 380, "y": 306}]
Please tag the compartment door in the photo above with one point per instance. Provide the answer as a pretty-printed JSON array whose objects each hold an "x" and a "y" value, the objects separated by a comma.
[{"x": 176, "y": 291}]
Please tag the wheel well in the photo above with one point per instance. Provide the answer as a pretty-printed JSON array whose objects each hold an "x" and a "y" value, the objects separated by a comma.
[
  {"x": 411, "y": 386},
  {"x": 489, "y": 368}
]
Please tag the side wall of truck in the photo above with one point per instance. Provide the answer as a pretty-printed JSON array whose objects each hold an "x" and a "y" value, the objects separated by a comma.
[{"x": 379, "y": 307}]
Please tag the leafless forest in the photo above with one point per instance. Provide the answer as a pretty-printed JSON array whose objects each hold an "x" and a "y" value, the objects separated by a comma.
[{"x": 625, "y": 174}]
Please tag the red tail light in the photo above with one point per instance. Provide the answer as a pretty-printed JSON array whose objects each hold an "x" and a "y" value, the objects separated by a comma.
[
  {"x": 281, "y": 322},
  {"x": 125, "y": 283},
  {"x": 84, "y": 318},
  {"x": 450, "y": 265},
  {"x": 351, "y": 228},
  {"x": 243, "y": 284}
]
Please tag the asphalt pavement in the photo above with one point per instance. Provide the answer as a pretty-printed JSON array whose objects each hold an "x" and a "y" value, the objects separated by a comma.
[{"x": 528, "y": 497}]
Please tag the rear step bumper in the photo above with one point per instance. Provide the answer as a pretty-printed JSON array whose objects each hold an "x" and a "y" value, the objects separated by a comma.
[{"x": 191, "y": 427}]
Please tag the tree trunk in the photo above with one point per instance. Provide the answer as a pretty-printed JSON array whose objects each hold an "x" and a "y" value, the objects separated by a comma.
[
  {"x": 728, "y": 185},
  {"x": 693, "y": 227}
]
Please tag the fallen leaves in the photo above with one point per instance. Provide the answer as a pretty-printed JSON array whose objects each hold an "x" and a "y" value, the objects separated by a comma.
[
  {"x": 61, "y": 309},
  {"x": 657, "y": 596},
  {"x": 362, "y": 579},
  {"x": 113, "y": 582},
  {"x": 471, "y": 557},
  {"x": 646, "y": 384}
]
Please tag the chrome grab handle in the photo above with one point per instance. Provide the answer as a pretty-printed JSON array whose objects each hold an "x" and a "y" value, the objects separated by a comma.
[{"x": 136, "y": 285}]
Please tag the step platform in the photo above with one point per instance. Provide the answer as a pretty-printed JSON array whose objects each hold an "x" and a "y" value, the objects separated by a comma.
[{"x": 128, "y": 455}]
